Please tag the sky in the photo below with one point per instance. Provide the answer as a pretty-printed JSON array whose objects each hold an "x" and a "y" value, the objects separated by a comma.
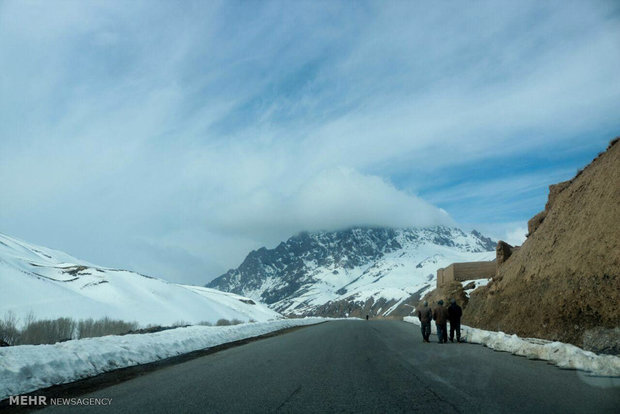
[{"x": 171, "y": 138}]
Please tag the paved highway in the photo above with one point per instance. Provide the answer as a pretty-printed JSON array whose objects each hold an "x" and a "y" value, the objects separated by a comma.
[{"x": 359, "y": 367}]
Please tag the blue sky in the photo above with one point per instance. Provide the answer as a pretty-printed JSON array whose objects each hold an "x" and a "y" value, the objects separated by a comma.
[{"x": 173, "y": 137}]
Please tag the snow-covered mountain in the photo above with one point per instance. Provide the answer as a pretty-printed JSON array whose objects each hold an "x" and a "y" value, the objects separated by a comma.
[
  {"x": 52, "y": 284},
  {"x": 355, "y": 271}
]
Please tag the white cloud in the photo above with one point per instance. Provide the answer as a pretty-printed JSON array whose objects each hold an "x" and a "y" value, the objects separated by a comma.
[
  {"x": 516, "y": 237},
  {"x": 162, "y": 138},
  {"x": 333, "y": 199}
]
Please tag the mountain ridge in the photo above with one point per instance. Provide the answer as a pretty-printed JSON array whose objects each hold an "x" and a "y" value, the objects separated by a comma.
[{"x": 311, "y": 269}]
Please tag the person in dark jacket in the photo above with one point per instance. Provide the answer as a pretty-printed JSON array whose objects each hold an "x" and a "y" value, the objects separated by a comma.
[
  {"x": 440, "y": 315},
  {"x": 454, "y": 315},
  {"x": 425, "y": 315}
]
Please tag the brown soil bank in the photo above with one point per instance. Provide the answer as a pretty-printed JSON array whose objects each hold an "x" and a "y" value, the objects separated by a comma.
[{"x": 564, "y": 283}]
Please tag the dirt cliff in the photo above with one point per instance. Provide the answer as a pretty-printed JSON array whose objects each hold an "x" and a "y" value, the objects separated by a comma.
[{"x": 564, "y": 282}]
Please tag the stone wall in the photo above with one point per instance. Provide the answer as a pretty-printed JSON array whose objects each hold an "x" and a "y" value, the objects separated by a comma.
[{"x": 465, "y": 271}]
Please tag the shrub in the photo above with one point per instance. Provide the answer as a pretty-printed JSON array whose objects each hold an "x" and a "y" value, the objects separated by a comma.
[
  {"x": 47, "y": 331},
  {"x": 89, "y": 328},
  {"x": 8, "y": 329},
  {"x": 50, "y": 331},
  {"x": 226, "y": 322},
  {"x": 223, "y": 322}
]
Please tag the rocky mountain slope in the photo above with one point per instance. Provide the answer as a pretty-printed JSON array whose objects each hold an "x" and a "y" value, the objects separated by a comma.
[
  {"x": 52, "y": 284},
  {"x": 352, "y": 272},
  {"x": 564, "y": 282}
]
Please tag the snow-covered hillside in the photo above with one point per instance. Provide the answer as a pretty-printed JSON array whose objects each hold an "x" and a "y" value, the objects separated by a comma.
[
  {"x": 52, "y": 284},
  {"x": 335, "y": 273}
]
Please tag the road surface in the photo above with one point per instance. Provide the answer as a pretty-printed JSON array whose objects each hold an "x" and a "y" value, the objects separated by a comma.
[{"x": 357, "y": 367}]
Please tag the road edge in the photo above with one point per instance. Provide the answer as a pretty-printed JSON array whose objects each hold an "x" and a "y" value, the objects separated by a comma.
[{"x": 106, "y": 379}]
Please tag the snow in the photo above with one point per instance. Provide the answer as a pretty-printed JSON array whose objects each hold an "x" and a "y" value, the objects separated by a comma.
[
  {"x": 26, "y": 368},
  {"x": 563, "y": 355},
  {"x": 52, "y": 284},
  {"x": 396, "y": 276},
  {"x": 477, "y": 284}
]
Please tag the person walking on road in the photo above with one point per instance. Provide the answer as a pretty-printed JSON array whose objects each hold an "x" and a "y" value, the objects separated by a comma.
[
  {"x": 440, "y": 315},
  {"x": 454, "y": 316},
  {"x": 425, "y": 315}
]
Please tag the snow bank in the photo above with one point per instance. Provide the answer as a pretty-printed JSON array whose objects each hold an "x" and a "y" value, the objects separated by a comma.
[
  {"x": 563, "y": 355},
  {"x": 27, "y": 368}
]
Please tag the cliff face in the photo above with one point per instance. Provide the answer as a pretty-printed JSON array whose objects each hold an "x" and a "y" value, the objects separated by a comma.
[{"x": 564, "y": 282}]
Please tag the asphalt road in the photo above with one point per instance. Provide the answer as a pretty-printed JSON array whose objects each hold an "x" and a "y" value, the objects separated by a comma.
[{"x": 359, "y": 366}]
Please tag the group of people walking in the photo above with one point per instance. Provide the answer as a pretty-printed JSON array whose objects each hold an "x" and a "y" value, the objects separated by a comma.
[{"x": 441, "y": 315}]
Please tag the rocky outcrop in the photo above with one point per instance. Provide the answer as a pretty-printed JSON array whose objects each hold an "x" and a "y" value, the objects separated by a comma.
[
  {"x": 469, "y": 286},
  {"x": 564, "y": 282},
  {"x": 554, "y": 191},
  {"x": 535, "y": 222},
  {"x": 502, "y": 252}
]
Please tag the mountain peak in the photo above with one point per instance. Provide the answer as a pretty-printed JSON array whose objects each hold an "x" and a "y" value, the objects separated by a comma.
[{"x": 311, "y": 269}]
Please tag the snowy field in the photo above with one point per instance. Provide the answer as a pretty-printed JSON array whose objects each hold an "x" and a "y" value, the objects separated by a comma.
[
  {"x": 28, "y": 368},
  {"x": 563, "y": 355}
]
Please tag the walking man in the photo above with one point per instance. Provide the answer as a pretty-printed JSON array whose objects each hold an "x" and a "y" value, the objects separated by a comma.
[
  {"x": 440, "y": 314},
  {"x": 454, "y": 315},
  {"x": 425, "y": 315}
]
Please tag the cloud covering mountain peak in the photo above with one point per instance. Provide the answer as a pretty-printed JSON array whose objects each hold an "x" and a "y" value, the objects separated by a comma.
[{"x": 333, "y": 199}]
